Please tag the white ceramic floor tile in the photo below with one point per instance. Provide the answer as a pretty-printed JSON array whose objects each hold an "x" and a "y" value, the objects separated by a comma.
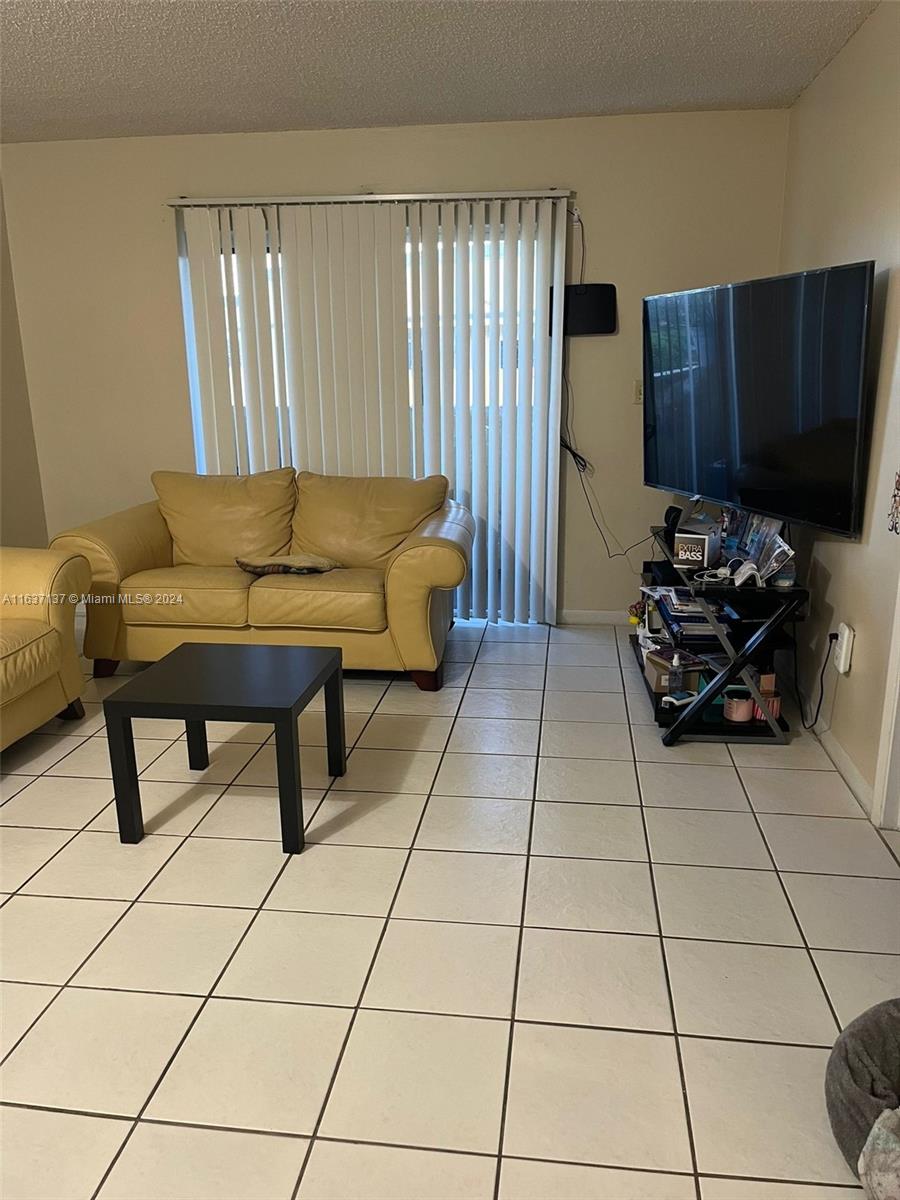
[
  {"x": 436, "y": 966},
  {"x": 587, "y": 781},
  {"x": 608, "y": 707},
  {"x": 696, "y": 837},
  {"x": 461, "y": 650},
  {"x": 803, "y": 752},
  {"x": 388, "y": 732},
  {"x": 590, "y": 634},
  {"x": 441, "y": 886},
  {"x": 581, "y": 978},
  {"x": 253, "y": 1065},
  {"x": 565, "y": 893},
  {"x": 249, "y": 812},
  {"x": 684, "y": 785},
  {"x": 91, "y": 759},
  {"x": 475, "y": 823},
  {"x": 856, "y": 982},
  {"x": 504, "y": 776},
  {"x": 893, "y": 839},
  {"x": 498, "y": 675},
  {"x": 640, "y": 710},
  {"x": 57, "y": 803},
  {"x": 564, "y": 739},
  {"x": 521, "y": 654},
  {"x": 733, "y": 990},
  {"x": 163, "y": 728},
  {"x": 738, "y": 906},
  {"x": 494, "y": 735},
  {"x": 756, "y": 1189},
  {"x": 170, "y": 1163},
  {"x": 20, "y": 1005},
  {"x": 410, "y": 771},
  {"x": 360, "y": 695},
  {"x": 648, "y": 747},
  {"x": 36, "y": 753},
  {"x": 92, "y": 722},
  {"x": 830, "y": 845},
  {"x": 45, "y": 939},
  {"x": 310, "y": 958},
  {"x": 253, "y": 732},
  {"x": 53, "y": 1155},
  {"x": 503, "y": 632},
  {"x": 457, "y": 674},
  {"x": 446, "y": 1078},
  {"x": 495, "y": 702},
  {"x": 840, "y": 913},
  {"x": 96, "y": 1051},
  {"x": 10, "y": 785},
  {"x": 169, "y": 808},
  {"x": 207, "y": 871},
  {"x": 523, "y": 1180},
  {"x": 366, "y": 819},
  {"x": 584, "y": 679},
  {"x": 337, "y": 1170},
  {"x": 406, "y": 699},
  {"x": 165, "y": 948},
  {"x": 99, "y": 865},
  {"x": 779, "y": 1108},
  {"x": 339, "y": 879},
  {"x": 226, "y": 760},
  {"x": 24, "y": 851},
  {"x": 312, "y": 731},
  {"x": 582, "y": 654},
  {"x": 589, "y": 831},
  {"x": 96, "y": 690},
  {"x": 562, "y": 1078},
  {"x": 804, "y": 793}
]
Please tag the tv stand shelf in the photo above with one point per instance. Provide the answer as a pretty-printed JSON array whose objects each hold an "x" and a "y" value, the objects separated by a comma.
[{"x": 759, "y": 627}]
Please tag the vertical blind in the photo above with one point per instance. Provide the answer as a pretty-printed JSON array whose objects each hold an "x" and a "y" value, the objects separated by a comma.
[{"x": 402, "y": 337}]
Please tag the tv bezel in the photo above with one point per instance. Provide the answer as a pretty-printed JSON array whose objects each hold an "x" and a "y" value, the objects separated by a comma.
[{"x": 865, "y": 405}]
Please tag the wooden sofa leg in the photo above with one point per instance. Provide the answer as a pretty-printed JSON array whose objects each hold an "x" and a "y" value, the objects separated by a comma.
[
  {"x": 73, "y": 711},
  {"x": 428, "y": 681},
  {"x": 104, "y": 667}
]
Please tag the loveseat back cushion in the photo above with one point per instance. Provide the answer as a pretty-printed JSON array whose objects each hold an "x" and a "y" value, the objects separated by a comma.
[
  {"x": 214, "y": 519},
  {"x": 361, "y": 521},
  {"x": 349, "y": 598}
]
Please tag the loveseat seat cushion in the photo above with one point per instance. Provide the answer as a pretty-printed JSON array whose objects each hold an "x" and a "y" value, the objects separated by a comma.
[
  {"x": 186, "y": 595},
  {"x": 214, "y": 519},
  {"x": 348, "y": 598},
  {"x": 30, "y": 652},
  {"x": 361, "y": 521}
]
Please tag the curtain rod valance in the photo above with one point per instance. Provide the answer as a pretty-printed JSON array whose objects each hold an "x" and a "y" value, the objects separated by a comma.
[{"x": 367, "y": 198}]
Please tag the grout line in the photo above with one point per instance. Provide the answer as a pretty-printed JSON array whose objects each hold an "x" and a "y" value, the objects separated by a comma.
[
  {"x": 387, "y": 919},
  {"x": 521, "y": 936},
  {"x": 666, "y": 974}
]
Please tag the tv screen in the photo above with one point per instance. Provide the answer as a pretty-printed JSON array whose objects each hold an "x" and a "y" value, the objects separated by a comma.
[{"x": 754, "y": 395}]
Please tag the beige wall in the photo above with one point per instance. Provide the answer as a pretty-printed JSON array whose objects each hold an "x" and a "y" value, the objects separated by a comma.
[
  {"x": 842, "y": 204},
  {"x": 670, "y": 201},
  {"x": 22, "y": 520}
]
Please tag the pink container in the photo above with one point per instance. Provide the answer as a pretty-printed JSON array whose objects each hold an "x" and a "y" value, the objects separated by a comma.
[
  {"x": 774, "y": 704},
  {"x": 738, "y": 705}
]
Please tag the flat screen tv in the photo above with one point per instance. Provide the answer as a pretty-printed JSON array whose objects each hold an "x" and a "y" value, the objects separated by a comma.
[{"x": 755, "y": 395}]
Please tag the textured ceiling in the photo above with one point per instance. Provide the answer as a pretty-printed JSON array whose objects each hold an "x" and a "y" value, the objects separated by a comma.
[{"x": 121, "y": 68}]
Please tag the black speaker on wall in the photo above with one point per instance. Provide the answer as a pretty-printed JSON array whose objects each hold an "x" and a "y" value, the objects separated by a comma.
[{"x": 589, "y": 308}]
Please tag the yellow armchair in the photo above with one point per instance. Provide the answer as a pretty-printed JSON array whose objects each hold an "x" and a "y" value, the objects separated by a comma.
[{"x": 40, "y": 672}]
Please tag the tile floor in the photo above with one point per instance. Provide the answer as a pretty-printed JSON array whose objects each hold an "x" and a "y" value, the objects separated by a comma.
[{"x": 528, "y": 952}]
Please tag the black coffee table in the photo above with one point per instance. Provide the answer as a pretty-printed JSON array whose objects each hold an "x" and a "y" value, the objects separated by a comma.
[{"x": 198, "y": 683}]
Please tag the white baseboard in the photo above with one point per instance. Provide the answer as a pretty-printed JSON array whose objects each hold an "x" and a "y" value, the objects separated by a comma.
[
  {"x": 847, "y": 769},
  {"x": 593, "y": 616}
]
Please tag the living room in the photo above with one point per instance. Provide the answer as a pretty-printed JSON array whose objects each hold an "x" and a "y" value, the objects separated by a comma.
[{"x": 360, "y": 834}]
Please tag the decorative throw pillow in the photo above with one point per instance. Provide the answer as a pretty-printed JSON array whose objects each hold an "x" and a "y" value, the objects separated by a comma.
[
  {"x": 288, "y": 564},
  {"x": 213, "y": 519}
]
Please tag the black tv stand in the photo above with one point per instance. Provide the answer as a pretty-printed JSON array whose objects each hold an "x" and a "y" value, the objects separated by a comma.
[{"x": 762, "y": 616}]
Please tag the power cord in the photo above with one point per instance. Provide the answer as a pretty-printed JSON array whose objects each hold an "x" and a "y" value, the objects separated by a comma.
[{"x": 832, "y": 638}]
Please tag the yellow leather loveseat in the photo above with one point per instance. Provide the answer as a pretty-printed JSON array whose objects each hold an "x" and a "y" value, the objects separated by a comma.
[
  {"x": 40, "y": 672},
  {"x": 164, "y": 573}
]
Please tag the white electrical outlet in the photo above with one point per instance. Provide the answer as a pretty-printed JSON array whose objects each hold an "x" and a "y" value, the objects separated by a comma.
[
  {"x": 843, "y": 651},
  {"x": 638, "y": 392}
]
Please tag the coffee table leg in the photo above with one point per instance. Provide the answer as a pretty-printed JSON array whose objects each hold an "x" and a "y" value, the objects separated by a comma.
[
  {"x": 198, "y": 751},
  {"x": 334, "y": 723},
  {"x": 125, "y": 779},
  {"x": 290, "y": 788}
]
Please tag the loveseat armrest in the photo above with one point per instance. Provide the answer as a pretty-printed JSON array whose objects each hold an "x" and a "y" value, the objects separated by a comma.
[
  {"x": 46, "y": 585},
  {"x": 135, "y": 539},
  {"x": 436, "y": 554}
]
